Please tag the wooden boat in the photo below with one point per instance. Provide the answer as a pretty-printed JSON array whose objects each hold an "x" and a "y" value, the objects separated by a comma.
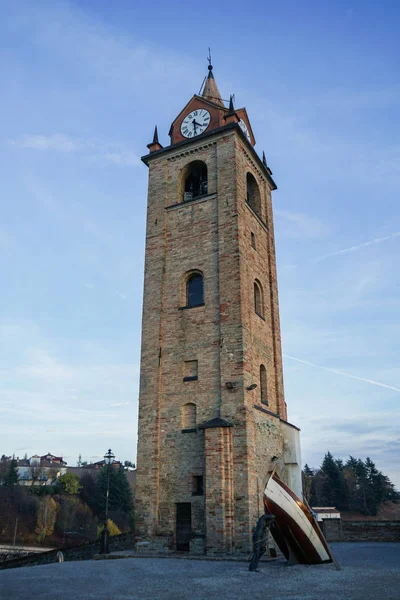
[{"x": 295, "y": 530}]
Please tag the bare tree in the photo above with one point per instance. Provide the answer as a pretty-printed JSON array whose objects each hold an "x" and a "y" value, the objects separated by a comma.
[{"x": 36, "y": 472}]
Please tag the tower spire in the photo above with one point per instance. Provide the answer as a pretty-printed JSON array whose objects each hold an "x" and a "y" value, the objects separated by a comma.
[
  {"x": 211, "y": 91},
  {"x": 231, "y": 116},
  {"x": 155, "y": 136},
  {"x": 155, "y": 144}
]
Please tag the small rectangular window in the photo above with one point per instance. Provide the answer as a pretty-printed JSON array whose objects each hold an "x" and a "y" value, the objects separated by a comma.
[
  {"x": 197, "y": 485},
  {"x": 253, "y": 240},
  {"x": 190, "y": 370}
]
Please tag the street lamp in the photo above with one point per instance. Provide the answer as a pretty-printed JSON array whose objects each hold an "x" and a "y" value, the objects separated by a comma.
[{"x": 104, "y": 540}]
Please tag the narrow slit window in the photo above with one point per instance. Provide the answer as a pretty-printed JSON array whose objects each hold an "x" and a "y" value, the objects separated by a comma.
[
  {"x": 258, "y": 299},
  {"x": 253, "y": 240},
  {"x": 263, "y": 385}
]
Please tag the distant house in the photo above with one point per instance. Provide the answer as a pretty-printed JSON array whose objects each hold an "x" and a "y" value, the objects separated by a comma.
[
  {"x": 101, "y": 463},
  {"x": 40, "y": 470},
  {"x": 50, "y": 458},
  {"x": 326, "y": 512}
]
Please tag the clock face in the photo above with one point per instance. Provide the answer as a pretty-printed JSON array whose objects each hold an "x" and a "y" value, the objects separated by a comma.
[
  {"x": 243, "y": 127},
  {"x": 195, "y": 123}
]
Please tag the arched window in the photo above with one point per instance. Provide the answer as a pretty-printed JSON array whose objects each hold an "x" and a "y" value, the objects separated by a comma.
[
  {"x": 253, "y": 197},
  {"x": 195, "y": 290},
  {"x": 258, "y": 299},
  {"x": 263, "y": 385},
  {"x": 195, "y": 182},
  {"x": 189, "y": 416}
]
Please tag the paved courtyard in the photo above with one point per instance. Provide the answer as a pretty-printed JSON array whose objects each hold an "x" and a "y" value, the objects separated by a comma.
[{"x": 369, "y": 572}]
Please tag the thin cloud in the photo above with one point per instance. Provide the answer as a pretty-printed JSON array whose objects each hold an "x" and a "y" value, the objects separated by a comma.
[
  {"x": 97, "y": 151},
  {"x": 57, "y": 142},
  {"x": 363, "y": 245},
  {"x": 378, "y": 383}
]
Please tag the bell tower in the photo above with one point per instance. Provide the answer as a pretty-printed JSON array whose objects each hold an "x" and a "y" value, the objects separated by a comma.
[{"x": 212, "y": 414}]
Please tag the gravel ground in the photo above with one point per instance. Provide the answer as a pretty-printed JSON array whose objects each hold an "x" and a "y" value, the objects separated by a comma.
[{"x": 369, "y": 572}]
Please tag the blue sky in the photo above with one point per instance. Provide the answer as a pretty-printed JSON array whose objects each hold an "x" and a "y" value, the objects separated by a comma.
[{"x": 83, "y": 84}]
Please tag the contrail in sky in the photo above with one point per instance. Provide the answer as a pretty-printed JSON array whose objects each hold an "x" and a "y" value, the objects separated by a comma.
[
  {"x": 364, "y": 245},
  {"x": 390, "y": 387},
  {"x": 351, "y": 249}
]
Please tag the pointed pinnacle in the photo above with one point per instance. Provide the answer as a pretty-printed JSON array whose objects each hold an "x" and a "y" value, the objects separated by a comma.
[
  {"x": 264, "y": 160},
  {"x": 231, "y": 107},
  {"x": 155, "y": 136}
]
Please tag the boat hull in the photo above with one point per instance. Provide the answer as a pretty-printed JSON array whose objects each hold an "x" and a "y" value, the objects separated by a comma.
[{"x": 295, "y": 530}]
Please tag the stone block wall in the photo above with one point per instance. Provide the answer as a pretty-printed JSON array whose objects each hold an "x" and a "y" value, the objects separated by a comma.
[
  {"x": 226, "y": 337},
  {"x": 124, "y": 541},
  {"x": 370, "y": 531}
]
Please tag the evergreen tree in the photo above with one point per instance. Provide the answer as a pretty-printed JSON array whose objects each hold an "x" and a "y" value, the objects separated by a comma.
[
  {"x": 356, "y": 485},
  {"x": 120, "y": 501},
  {"x": 12, "y": 476},
  {"x": 333, "y": 485},
  {"x": 309, "y": 472}
]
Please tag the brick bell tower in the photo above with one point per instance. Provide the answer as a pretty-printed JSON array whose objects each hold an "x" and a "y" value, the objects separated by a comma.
[{"x": 212, "y": 414}]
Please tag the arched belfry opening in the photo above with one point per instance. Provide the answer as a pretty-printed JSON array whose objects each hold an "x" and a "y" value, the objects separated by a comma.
[
  {"x": 194, "y": 180},
  {"x": 253, "y": 196}
]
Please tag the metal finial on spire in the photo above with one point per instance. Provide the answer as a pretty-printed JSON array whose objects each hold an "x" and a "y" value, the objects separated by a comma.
[
  {"x": 155, "y": 136},
  {"x": 209, "y": 59}
]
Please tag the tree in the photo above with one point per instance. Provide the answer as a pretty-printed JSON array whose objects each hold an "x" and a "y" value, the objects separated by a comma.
[
  {"x": 46, "y": 517},
  {"x": 307, "y": 483},
  {"x": 75, "y": 520},
  {"x": 4, "y": 468},
  {"x": 120, "y": 496},
  {"x": 69, "y": 484},
  {"x": 333, "y": 485},
  {"x": 36, "y": 472},
  {"x": 12, "y": 476},
  {"x": 90, "y": 493},
  {"x": 113, "y": 529},
  {"x": 52, "y": 474},
  {"x": 309, "y": 472}
]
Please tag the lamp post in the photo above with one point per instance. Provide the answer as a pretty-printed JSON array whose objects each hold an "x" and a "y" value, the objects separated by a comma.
[{"x": 104, "y": 540}]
